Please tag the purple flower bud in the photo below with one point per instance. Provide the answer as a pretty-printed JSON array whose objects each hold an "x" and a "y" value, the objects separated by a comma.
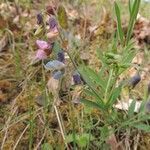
[
  {"x": 39, "y": 19},
  {"x": 77, "y": 78},
  {"x": 134, "y": 80},
  {"x": 52, "y": 23},
  {"x": 61, "y": 56}
]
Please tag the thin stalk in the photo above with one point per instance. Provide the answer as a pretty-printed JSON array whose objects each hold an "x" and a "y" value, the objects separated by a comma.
[
  {"x": 108, "y": 84},
  {"x": 60, "y": 125}
]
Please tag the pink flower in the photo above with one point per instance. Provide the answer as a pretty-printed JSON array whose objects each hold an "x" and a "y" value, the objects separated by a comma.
[
  {"x": 43, "y": 44},
  {"x": 40, "y": 54}
]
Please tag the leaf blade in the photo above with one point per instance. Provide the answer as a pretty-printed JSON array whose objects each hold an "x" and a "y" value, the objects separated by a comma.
[{"x": 119, "y": 27}]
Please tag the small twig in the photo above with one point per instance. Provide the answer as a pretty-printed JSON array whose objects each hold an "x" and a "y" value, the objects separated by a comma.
[
  {"x": 60, "y": 125},
  {"x": 21, "y": 119},
  {"x": 40, "y": 141},
  {"x": 20, "y": 137},
  {"x": 6, "y": 128},
  {"x": 136, "y": 142},
  {"x": 59, "y": 122}
]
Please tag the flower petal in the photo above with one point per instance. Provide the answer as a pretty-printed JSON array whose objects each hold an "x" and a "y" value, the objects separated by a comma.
[
  {"x": 61, "y": 56},
  {"x": 42, "y": 44},
  {"x": 39, "y": 19},
  {"x": 54, "y": 65},
  {"x": 40, "y": 54},
  {"x": 134, "y": 80},
  {"x": 77, "y": 78},
  {"x": 53, "y": 34},
  {"x": 52, "y": 23},
  {"x": 57, "y": 74}
]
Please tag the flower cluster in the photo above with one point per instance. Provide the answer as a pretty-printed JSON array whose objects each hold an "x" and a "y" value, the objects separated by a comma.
[{"x": 45, "y": 48}]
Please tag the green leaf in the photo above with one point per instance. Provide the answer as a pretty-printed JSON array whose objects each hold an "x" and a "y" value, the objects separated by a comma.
[
  {"x": 84, "y": 139},
  {"x": 96, "y": 78},
  {"x": 46, "y": 146},
  {"x": 143, "y": 117},
  {"x": 39, "y": 31},
  {"x": 92, "y": 94},
  {"x": 62, "y": 17},
  {"x": 104, "y": 131},
  {"x": 131, "y": 108},
  {"x": 92, "y": 104},
  {"x": 119, "y": 27},
  {"x": 142, "y": 107},
  {"x": 133, "y": 16},
  {"x": 109, "y": 83},
  {"x": 102, "y": 58},
  {"x": 56, "y": 48},
  {"x": 130, "y": 5},
  {"x": 127, "y": 57},
  {"x": 128, "y": 53},
  {"x": 115, "y": 94},
  {"x": 69, "y": 138},
  {"x": 142, "y": 126},
  {"x": 90, "y": 82}
]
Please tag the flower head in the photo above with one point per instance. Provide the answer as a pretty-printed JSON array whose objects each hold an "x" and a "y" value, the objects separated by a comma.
[
  {"x": 77, "y": 78},
  {"x": 40, "y": 54},
  {"x": 43, "y": 44},
  {"x": 61, "y": 56},
  {"x": 52, "y": 23},
  {"x": 39, "y": 19},
  {"x": 134, "y": 80}
]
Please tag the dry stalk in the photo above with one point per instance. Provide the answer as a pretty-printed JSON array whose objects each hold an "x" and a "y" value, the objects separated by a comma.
[{"x": 20, "y": 137}]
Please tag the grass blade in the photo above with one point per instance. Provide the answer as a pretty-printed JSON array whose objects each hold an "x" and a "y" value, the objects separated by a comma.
[
  {"x": 115, "y": 94},
  {"x": 87, "y": 77},
  {"x": 142, "y": 126},
  {"x": 133, "y": 17},
  {"x": 92, "y": 104},
  {"x": 132, "y": 108},
  {"x": 119, "y": 27}
]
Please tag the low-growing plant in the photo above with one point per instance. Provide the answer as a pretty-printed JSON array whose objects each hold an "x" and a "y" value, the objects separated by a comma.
[{"x": 103, "y": 88}]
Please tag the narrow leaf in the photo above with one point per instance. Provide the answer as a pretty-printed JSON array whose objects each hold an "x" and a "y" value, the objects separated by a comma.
[
  {"x": 115, "y": 94},
  {"x": 142, "y": 126},
  {"x": 119, "y": 27},
  {"x": 132, "y": 108},
  {"x": 94, "y": 96},
  {"x": 92, "y": 104},
  {"x": 89, "y": 82},
  {"x": 133, "y": 17}
]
